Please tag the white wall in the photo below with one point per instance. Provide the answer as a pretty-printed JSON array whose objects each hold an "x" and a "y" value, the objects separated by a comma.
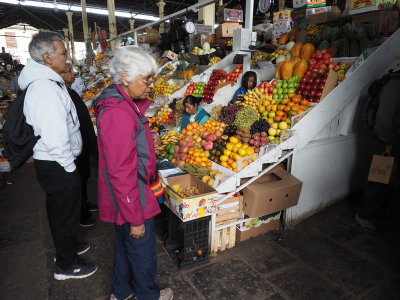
[{"x": 330, "y": 169}]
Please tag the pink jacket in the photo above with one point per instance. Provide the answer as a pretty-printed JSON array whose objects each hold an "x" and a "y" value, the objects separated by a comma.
[{"x": 125, "y": 148}]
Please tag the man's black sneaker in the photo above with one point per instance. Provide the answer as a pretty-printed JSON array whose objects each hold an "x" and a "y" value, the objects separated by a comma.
[
  {"x": 81, "y": 248},
  {"x": 87, "y": 222},
  {"x": 93, "y": 207},
  {"x": 80, "y": 269}
]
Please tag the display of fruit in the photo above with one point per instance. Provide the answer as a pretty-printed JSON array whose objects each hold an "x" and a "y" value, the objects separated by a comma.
[
  {"x": 190, "y": 191},
  {"x": 258, "y": 140},
  {"x": 230, "y": 130},
  {"x": 216, "y": 113},
  {"x": 164, "y": 88},
  {"x": 209, "y": 89},
  {"x": 190, "y": 89},
  {"x": 279, "y": 55},
  {"x": 243, "y": 134},
  {"x": 171, "y": 137},
  {"x": 214, "y": 60},
  {"x": 259, "y": 126},
  {"x": 282, "y": 89},
  {"x": 343, "y": 68},
  {"x": 245, "y": 117},
  {"x": 230, "y": 43},
  {"x": 165, "y": 115},
  {"x": 167, "y": 69},
  {"x": 155, "y": 124},
  {"x": 199, "y": 89},
  {"x": 235, "y": 74},
  {"x": 313, "y": 82},
  {"x": 97, "y": 88},
  {"x": 228, "y": 113},
  {"x": 235, "y": 150}
]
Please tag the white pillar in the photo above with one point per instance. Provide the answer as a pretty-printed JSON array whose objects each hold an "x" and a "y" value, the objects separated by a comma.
[
  {"x": 84, "y": 22},
  {"x": 71, "y": 34},
  {"x": 112, "y": 22},
  {"x": 161, "y": 5},
  {"x": 207, "y": 14},
  {"x": 66, "y": 35}
]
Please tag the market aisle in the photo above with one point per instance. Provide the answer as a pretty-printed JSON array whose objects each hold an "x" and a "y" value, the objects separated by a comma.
[{"x": 326, "y": 256}]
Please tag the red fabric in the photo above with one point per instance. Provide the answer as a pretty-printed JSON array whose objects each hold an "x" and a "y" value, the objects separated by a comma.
[{"x": 118, "y": 126}]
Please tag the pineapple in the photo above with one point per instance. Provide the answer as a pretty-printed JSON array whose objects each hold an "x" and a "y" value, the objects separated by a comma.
[
  {"x": 334, "y": 40},
  {"x": 344, "y": 49},
  {"x": 370, "y": 32},
  {"x": 315, "y": 40},
  {"x": 301, "y": 36},
  {"x": 354, "y": 47},
  {"x": 365, "y": 43},
  {"x": 325, "y": 37}
]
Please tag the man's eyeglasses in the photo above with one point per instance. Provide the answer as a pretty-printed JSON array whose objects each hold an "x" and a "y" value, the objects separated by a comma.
[
  {"x": 147, "y": 81},
  {"x": 65, "y": 53}
]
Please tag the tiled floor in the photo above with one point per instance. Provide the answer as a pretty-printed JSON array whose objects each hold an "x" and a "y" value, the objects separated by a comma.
[{"x": 325, "y": 257}]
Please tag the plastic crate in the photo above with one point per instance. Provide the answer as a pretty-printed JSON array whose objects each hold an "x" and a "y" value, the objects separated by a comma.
[{"x": 187, "y": 242}]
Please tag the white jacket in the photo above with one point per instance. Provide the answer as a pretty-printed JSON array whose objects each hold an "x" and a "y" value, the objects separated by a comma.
[{"x": 48, "y": 108}]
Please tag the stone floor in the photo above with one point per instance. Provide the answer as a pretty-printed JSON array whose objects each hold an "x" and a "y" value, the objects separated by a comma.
[{"x": 325, "y": 257}]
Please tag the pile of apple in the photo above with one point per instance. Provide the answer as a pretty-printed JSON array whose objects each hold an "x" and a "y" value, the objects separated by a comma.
[
  {"x": 235, "y": 74},
  {"x": 258, "y": 140},
  {"x": 216, "y": 77},
  {"x": 266, "y": 88},
  {"x": 195, "y": 89},
  {"x": 313, "y": 82}
]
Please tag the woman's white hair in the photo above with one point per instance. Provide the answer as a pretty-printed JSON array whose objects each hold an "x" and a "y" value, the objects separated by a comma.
[
  {"x": 43, "y": 42},
  {"x": 132, "y": 60}
]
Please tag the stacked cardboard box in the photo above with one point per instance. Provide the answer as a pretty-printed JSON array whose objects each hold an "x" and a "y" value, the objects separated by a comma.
[
  {"x": 229, "y": 20},
  {"x": 270, "y": 194}
]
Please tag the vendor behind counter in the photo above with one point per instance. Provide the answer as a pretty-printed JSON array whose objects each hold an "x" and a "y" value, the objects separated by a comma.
[
  {"x": 193, "y": 112},
  {"x": 249, "y": 81}
]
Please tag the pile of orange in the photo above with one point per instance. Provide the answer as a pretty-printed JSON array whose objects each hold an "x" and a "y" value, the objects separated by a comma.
[
  {"x": 191, "y": 129},
  {"x": 234, "y": 151},
  {"x": 197, "y": 156},
  {"x": 287, "y": 107}
]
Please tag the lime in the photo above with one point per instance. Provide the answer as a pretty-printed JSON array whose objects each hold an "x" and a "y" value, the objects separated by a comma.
[
  {"x": 284, "y": 85},
  {"x": 275, "y": 91},
  {"x": 278, "y": 85}
]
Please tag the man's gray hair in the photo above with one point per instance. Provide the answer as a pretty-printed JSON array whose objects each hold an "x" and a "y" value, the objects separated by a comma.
[
  {"x": 132, "y": 60},
  {"x": 43, "y": 42}
]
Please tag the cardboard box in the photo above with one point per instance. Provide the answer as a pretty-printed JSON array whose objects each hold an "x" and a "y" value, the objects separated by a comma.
[
  {"x": 361, "y": 6},
  {"x": 229, "y": 15},
  {"x": 230, "y": 209},
  {"x": 315, "y": 3},
  {"x": 317, "y": 15},
  {"x": 193, "y": 207},
  {"x": 243, "y": 235},
  {"x": 330, "y": 84},
  {"x": 386, "y": 21},
  {"x": 226, "y": 30},
  {"x": 283, "y": 16},
  {"x": 275, "y": 191}
]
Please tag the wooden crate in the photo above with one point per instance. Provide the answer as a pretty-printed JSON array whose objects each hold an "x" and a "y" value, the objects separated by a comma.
[
  {"x": 230, "y": 213},
  {"x": 224, "y": 238}
]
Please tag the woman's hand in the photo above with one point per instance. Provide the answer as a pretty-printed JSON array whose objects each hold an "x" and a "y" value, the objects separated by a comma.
[{"x": 138, "y": 231}]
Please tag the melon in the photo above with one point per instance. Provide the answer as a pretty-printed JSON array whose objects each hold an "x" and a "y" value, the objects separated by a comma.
[
  {"x": 280, "y": 58},
  {"x": 206, "y": 46},
  {"x": 289, "y": 46},
  {"x": 200, "y": 52},
  {"x": 212, "y": 50}
]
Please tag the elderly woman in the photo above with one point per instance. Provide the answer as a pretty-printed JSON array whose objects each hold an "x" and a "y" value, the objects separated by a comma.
[{"x": 127, "y": 161}]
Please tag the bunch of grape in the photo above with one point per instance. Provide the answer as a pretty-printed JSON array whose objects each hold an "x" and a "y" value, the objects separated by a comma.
[
  {"x": 216, "y": 113},
  {"x": 228, "y": 113},
  {"x": 260, "y": 125},
  {"x": 245, "y": 118}
]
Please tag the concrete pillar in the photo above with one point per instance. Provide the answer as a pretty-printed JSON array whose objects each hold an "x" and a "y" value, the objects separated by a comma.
[
  {"x": 66, "y": 35},
  {"x": 84, "y": 21},
  {"x": 207, "y": 14},
  {"x": 71, "y": 34},
  {"x": 161, "y": 5},
  {"x": 131, "y": 23},
  {"x": 112, "y": 22},
  {"x": 249, "y": 14}
]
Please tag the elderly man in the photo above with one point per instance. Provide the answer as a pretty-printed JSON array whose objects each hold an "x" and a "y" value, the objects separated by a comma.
[{"x": 48, "y": 108}]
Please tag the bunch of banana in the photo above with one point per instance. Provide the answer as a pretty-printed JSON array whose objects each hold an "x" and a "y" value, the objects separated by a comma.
[
  {"x": 313, "y": 29},
  {"x": 274, "y": 55},
  {"x": 171, "y": 137}
]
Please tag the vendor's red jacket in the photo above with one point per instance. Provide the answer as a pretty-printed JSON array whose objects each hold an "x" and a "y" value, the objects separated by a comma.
[{"x": 125, "y": 148}]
